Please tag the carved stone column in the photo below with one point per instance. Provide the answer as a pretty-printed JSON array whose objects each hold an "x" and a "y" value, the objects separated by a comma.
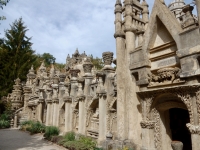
[
  {"x": 147, "y": 135},
  {"x": 15, "y": 121},
  {"x": 87, "y": 66},
  {"x": 74, "y": 83},
  {"x": 55, "y": 105},
  {"x": 27, "y": 92},
  {"x": 81, "y": 99},
  {"x": 68, "y": 113},
  {"x": 102, "y": 109},
  {"x": 49, "y": 108},
  {"x": 41, "y": 101}
]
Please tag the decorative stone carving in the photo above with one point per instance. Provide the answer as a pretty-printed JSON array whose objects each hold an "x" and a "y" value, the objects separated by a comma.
[
  {"x": 198, "y": 102},
  {"x": 74, "y": 72},
  {"x": 193, "y": 129},
  {"x": 147, "y": 124},
  {"x": 185, "y": 96},
  {"x": 157, "y": 133},
  {"x": 16, "y": 96},
  {"x": 87, "y": 65},
  {"x": 62, "y": 77},
  {"x": 166, "y": 76},
  {"x": 108, "y": 59}
]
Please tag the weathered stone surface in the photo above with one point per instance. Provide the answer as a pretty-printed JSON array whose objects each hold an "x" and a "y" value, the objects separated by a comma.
[{"x": 158, "y": 68}]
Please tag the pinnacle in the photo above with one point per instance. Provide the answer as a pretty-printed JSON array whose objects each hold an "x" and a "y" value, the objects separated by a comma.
[
  {"x": 118, "y": 2},
  {"x": 162, "y": 1},
  {"x": 76, "y": 52}
]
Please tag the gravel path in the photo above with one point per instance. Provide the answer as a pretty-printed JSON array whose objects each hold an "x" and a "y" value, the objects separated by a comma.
[{"x": 13, "y": 139}]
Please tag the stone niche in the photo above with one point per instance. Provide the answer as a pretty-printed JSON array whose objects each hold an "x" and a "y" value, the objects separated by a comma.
[{"x": 92, "y": 122}]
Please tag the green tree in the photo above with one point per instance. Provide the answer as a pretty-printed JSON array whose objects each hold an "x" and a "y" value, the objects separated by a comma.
[
  {"x": 97, "y": 62},
  {"x": 3, "y": 3},
  {"x": 16, "y": 56},
  {"x": 47, "y": 58}
]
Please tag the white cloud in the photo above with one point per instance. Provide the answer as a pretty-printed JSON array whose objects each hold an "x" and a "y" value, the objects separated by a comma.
[{"x": 59, "y": 27}]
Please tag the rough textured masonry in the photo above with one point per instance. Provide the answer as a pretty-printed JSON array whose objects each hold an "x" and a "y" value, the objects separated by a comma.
[{"x": 150, "y": 101}]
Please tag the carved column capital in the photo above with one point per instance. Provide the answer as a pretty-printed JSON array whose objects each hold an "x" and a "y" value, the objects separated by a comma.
[
  {"x": 107, "y": 58},
  {"x": 194, "y": 129},
  {"x": 67, "y": 99},
  {"x": 81, "y": 97},
  {"x": 147, "y": 124},
  {"x": 87, "y": 66},
  {"x": 62, "y": 77},
  {"x": 74, "y": 72}
]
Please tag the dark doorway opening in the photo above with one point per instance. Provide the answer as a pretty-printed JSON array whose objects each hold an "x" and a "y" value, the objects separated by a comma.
[{"x": 178, "y": 120}]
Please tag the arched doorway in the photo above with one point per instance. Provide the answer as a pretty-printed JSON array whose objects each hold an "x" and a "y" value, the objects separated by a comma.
[{"x": 178, "y": 119}]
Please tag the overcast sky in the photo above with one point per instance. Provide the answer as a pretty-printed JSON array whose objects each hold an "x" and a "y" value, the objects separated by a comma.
[{"x": 59, "y": 27}]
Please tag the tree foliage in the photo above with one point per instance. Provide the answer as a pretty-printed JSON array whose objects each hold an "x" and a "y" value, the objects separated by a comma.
[
  {"x": 3, "y": 3},
  {"x": 16, "y": 56},
  {"x": 46, "y": 57},
  {"x": 97, "y": 62}
]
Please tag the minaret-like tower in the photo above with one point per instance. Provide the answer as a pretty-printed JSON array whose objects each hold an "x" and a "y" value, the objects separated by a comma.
[
  {"x": 176, "y": 7},
  {"x": 120, "y": 52},
  {"x": 129, "y": 36},
  {"x": 145, "y": 13}
]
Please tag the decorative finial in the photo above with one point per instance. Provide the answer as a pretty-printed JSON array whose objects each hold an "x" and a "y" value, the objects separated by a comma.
[{"x": 68, "y": 56}]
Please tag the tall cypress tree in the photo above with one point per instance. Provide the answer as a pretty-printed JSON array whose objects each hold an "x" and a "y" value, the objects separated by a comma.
[{"x": 16, "y": 56}]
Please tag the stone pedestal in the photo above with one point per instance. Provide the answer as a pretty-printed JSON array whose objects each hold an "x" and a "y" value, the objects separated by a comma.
[{"x": 177, "y": 145}]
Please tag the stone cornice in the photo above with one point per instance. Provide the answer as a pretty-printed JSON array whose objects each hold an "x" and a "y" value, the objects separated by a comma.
[{"x": 184, "y": 88}]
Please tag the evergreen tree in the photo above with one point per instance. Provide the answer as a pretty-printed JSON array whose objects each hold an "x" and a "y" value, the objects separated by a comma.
[{"x": 16, "y": 56}]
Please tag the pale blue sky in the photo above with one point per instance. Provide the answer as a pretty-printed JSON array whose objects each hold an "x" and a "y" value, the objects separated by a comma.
[{"x": 59, "y": 27}]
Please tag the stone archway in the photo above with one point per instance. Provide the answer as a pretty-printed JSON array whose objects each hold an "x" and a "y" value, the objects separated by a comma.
[
  {"x": 156, "y": 132},
  {"x": 170, "y": 123}
]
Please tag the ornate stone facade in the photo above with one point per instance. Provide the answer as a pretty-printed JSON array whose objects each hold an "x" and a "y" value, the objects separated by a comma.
[{"x": 134, "y": 105}]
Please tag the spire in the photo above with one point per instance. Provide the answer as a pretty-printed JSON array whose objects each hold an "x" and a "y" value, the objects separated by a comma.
[
  {"x": 76, "y": 52},
  {"x": 68, "y": 56}
]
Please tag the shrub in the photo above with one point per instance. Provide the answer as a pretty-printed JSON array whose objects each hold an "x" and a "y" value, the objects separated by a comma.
[
  {"x": 51, "y": 131},
  {"x": 56, "y": 139},
  {"x": 36, "y": 127},
  {"x": 33, "y": 127},
  {"x": 89, "y": 142},
  {"x": 4, "y": 124},
  {"x": 83, "y": 143},
  {"x": 70, "y": 136},
  {"x": 5, "y": 120}
]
